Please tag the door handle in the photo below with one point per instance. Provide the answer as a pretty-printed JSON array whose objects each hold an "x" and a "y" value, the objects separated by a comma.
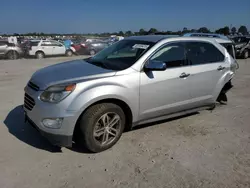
[
  {"x": 220, "y": 68},
  {"x": 184, "y": 75}
]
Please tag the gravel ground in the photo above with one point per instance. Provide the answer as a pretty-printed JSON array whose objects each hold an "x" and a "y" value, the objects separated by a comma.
[{"x": 207, "y": 149}]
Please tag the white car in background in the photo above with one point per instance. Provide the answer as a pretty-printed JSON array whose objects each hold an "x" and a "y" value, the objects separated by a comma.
[{"x": 44, "y": 48}]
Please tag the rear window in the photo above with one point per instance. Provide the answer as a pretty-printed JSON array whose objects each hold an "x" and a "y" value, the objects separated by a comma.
[{"x": 34, "y": 43}]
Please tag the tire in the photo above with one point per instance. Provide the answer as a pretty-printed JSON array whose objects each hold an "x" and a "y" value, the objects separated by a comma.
[
  {"x": 69, "y": 53},
  {"x": 12, "y": 55},
  {"x": 40, "y": 55},
  {"x": 93, "y": 130},
  {"x": 222, "y": 99},
  {"x": 92, "y": 52},
  {"x": 245, "y": 54}
]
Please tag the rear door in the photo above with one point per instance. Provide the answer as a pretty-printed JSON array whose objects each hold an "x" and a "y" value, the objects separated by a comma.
[
  {"x": 207, "y": 68},
  {"x": 47, "y": 48},
  {"x": 58, "y": 48},
  {"x": 3, "y": 47}
]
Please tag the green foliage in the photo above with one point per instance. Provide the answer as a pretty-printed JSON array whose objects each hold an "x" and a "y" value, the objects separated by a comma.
[
  {"x": 224, "y": 30},
  {"x": 243, "y": 30}
]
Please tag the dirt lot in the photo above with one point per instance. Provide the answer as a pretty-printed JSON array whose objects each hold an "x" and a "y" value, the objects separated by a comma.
[{"x": 208, "y": 149}]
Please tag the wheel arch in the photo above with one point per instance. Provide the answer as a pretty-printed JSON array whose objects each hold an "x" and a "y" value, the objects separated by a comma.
[
  {"x": 40, "y": 51},
  {"x": 122, "y": 104},
  {"x": 11, "y": 51}
]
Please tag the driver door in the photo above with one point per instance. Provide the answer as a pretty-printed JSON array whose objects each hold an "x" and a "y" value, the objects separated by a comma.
[{"x": 165, "y": 92}]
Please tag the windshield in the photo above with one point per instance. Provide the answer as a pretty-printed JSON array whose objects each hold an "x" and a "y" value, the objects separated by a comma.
[{"x": 121, "y": 55}]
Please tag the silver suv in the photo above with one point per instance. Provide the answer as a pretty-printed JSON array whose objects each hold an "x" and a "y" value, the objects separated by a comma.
[
  {"x": 10, "y": 50},
  {"x": 135, "y": 81}
]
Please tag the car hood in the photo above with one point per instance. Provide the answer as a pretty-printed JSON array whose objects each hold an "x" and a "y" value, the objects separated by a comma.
[
  {"x": 68, "y": 72},
  {"x": 240, "y": 45}
]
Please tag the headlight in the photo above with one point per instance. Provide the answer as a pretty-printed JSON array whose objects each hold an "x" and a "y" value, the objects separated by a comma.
[{"x": 57, "y": 93}]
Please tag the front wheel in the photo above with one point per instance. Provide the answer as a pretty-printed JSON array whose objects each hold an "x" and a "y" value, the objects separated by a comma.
[
  {"x": 102, "y": 126},
  {"x": 12, "y": 55}
]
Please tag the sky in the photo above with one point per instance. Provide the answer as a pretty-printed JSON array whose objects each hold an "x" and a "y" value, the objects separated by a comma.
[{"x": 96, "y": 16}]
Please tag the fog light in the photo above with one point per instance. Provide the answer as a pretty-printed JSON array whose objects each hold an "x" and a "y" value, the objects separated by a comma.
[{"x": 55, "y": 123}]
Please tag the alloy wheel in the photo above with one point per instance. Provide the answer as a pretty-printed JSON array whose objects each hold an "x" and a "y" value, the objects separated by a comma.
[{"x": 107, "y": 128}]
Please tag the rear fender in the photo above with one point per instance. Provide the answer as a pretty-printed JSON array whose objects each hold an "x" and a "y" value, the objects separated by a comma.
[{"x": 227, "y": 77}]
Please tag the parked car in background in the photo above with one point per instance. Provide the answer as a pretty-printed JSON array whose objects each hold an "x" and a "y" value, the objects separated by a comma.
[
  {"x": 44, "y": 48},
  {"x": 242, "y": 45},
  {"x": 10, "y": 50},
  {"x": 134, "y": 81},
  {"x": 90, "y": 48}
]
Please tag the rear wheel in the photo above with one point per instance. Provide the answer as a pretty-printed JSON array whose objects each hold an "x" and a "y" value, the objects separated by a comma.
[
  {"x": 69, "y": 53},
  {"x": 245, "y": 54},
  {"x": 40, "y": 55},
  {"x": 92, "y": 52},
  {"x": 12, "y": 55},
  {"x": 102, "y": 126}
]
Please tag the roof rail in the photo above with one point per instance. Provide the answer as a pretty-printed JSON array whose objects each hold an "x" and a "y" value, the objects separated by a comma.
[{"x": 212, "y": 35}]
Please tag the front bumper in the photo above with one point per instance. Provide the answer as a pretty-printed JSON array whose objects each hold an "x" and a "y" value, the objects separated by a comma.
[
  {"x": 61, "y": 136},
  {"x": 58, "y": 140}
]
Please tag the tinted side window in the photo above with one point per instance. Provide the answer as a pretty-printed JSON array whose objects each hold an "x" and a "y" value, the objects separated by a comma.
[
  {"x": 3, "y": 43},
  {"x": 54, "y": 43},
  {"x": 173, "y": 55},
  {"x": 46, "y": 43},
  {"x": 203, "y": 53}
]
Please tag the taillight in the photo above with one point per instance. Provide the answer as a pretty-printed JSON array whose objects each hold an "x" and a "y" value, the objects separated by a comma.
[{"x": 234, "y": 66}]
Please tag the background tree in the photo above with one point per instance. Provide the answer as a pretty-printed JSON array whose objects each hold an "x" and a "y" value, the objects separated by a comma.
[
  {"x": 243, "y": 30},
  {"x": 203, "y": 30},
  {"x": 233, "y": 30},
  {"x": 184, "y": 30},
  {"x": 152, "y": 31},
  {"x": 225, "y": 30},
  {"x": 128, "y": 33},
  {"x": 121, "y": 33},
  {"x": 142, "y": 32}
]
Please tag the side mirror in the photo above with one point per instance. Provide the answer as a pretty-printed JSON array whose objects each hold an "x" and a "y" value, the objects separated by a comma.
[{"x": 153, "y": 65}]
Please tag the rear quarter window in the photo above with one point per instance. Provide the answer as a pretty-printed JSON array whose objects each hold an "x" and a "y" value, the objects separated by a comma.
[{"x": 230, "y": 48}]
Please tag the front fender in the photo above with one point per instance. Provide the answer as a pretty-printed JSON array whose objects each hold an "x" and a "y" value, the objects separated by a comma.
[{"x": 92, "y": 95}]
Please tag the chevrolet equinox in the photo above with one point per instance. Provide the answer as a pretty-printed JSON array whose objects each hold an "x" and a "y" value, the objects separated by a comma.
[{"x": 134, "y": 81}]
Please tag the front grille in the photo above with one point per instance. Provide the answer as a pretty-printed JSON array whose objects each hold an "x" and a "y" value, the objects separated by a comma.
[
  {"x": 33, "y": 86},
  {"x": 29, "y": 102}
]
